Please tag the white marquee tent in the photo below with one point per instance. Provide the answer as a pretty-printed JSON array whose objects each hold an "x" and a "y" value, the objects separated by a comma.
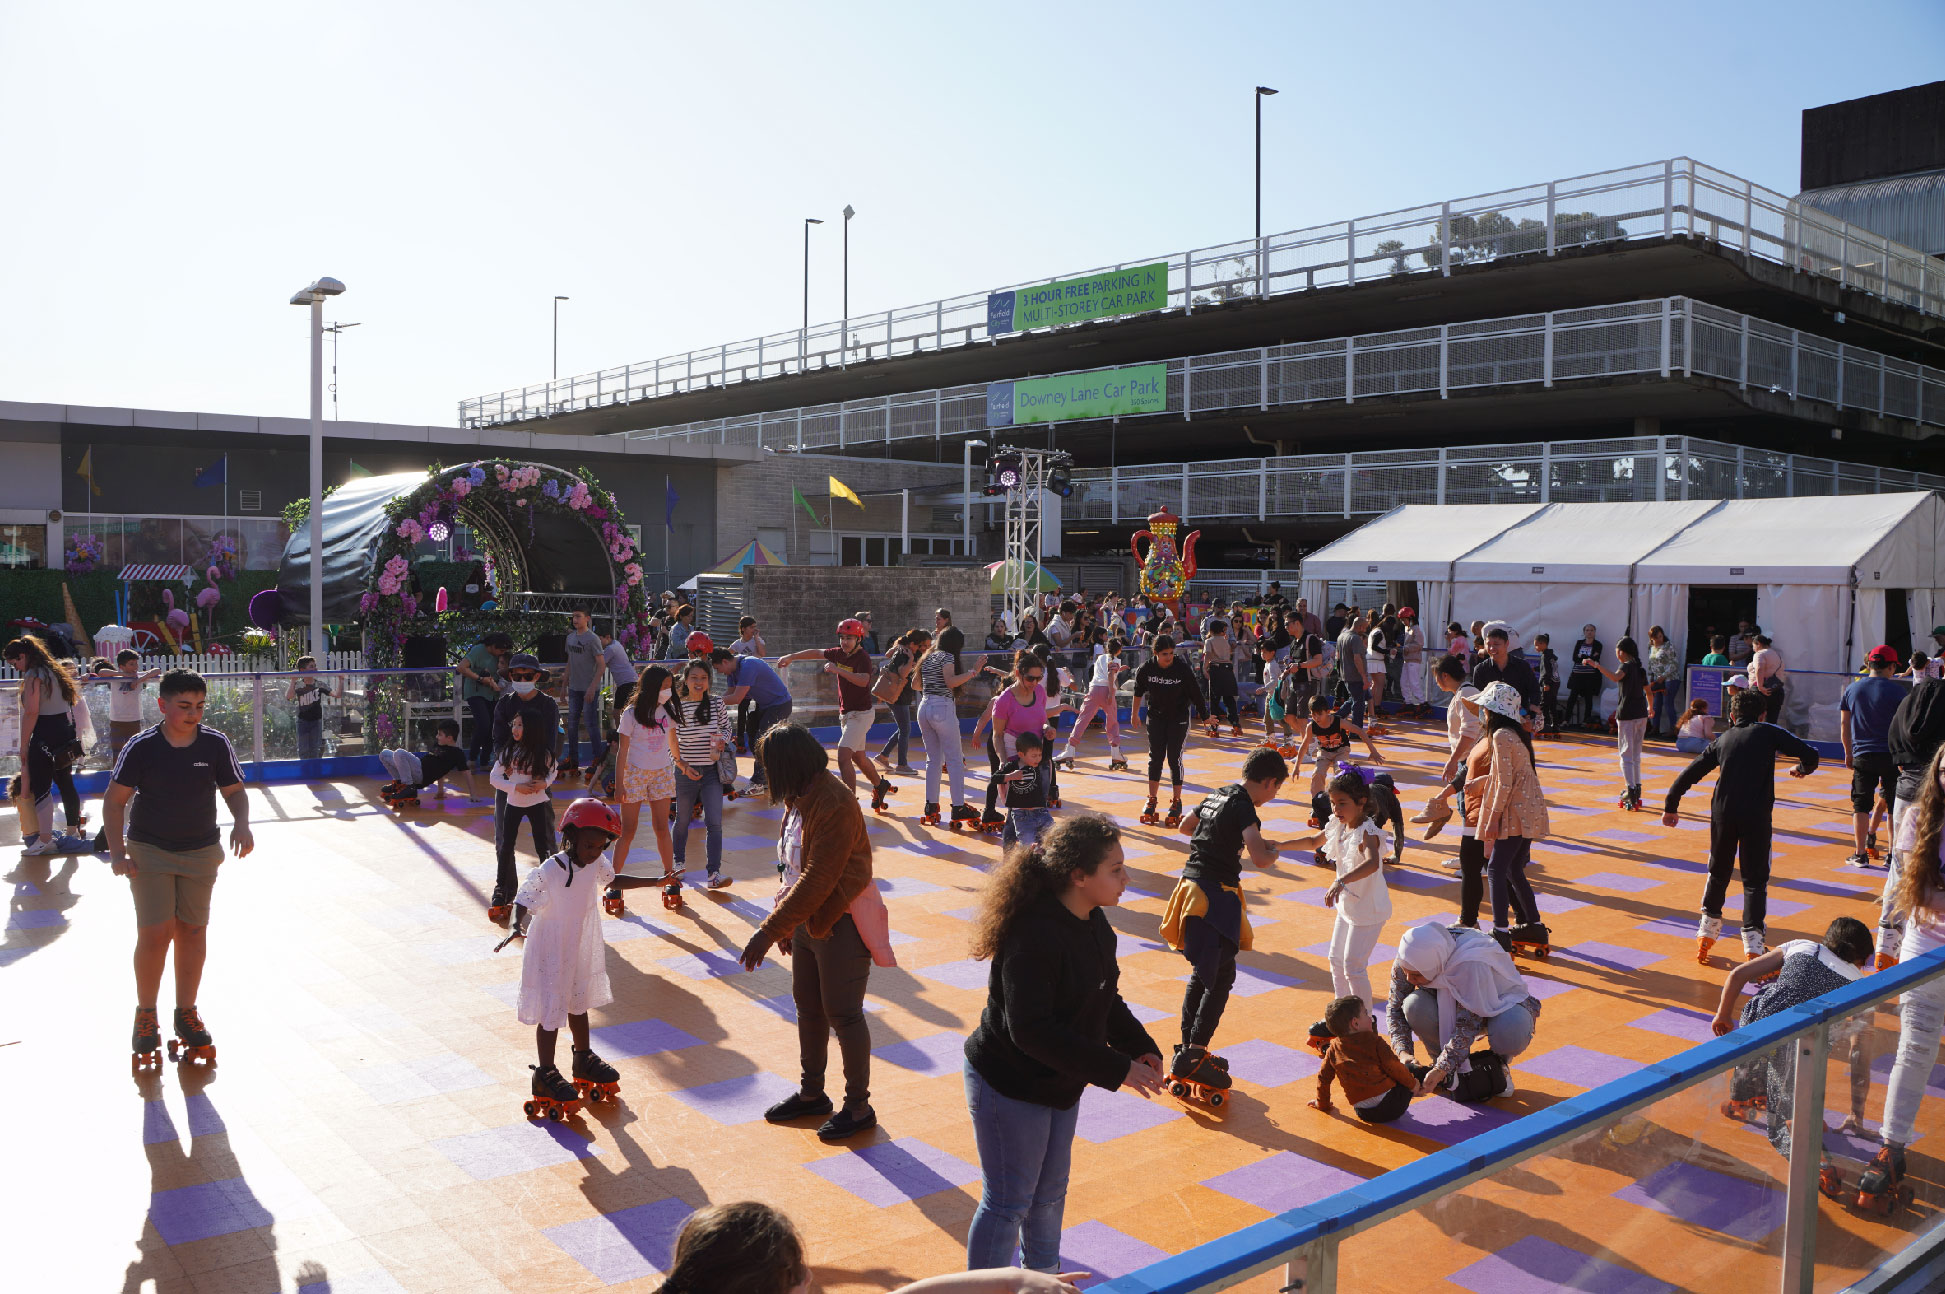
[{"x": 1820, "y": 567}]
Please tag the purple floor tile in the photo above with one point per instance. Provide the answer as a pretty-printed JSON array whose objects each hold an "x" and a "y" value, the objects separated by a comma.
[
  {"x": 938, "y": 1053},
  {"x": 1106, "y": 1115},
  {"x": 1148, "y": 1014},
  {"x": 1775, "y": 907},
  {"x": 892, "y": 1172},
  {"x": 1269, "y": 1064},
  {"x": 1611, "y": 956},
  {"x": 157, "y": 1125},
  {"x": 900, "y": 887},
  {"x": 1580, "y": 1066},
  {"x": 1620, "y": 881},
  {"x": 1555, "y": 904},
  {"x": 1821, "y": 887},
  {"x": 1103, "y": 1252},
  {"x": 1815, "y": 842},
  {"x": 411, "y": 1080},
  {"x": 1704, "y": 1198},
  {"x": 1543, "y": 988},
  {"x": 1532, "y": 1265},
  {"x": 1419, "y": 880},
  {"x": 1678, "y": 1022},
  {"x": 1283, "y": 1181},
  {"x": 1881, "y": 1073},
  {"x": 1127, "y": 945},
  {"x": 625, "y": 1245},
  {"x": 1313, "y": 895},
  {"x": 962, "y": 914},
  {"x": 37, "y": 919},
  {"x": 515, "y": 1148},
  {"x": 1449, "y": 1122},
  {"x": 1677, "y": 865},
  {"x": 224, "y": 1207},
  {"x": 1250, "y": 981},
  {"x": 966, "y": 974},
  {"x": 737, "y": 1100},
  {"x": 786, "y": 1006},
  {"x": 640, "y": 1038},
  {"x": 1616, "y": 833},
  {"x": 1680, "y": 927},
  {"x": 1556, "y": 845},
  {"x": 373, "y": 1280}
]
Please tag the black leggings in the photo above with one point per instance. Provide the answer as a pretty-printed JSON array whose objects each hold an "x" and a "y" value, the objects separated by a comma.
[
  {"x": 507, "y": 822},
  {"x": 1748, "y": 835},
  {"x": 827, "y": 982},
  {"x": 1222, "y": 694},
  {"x": 1507, "y": 871},
  {"x": 1165, "y": 738},
  {"x": 1472, "y": 880},
  {"x": 44, "y": 771},
  {"x": 1393, "y": 1104},
  {"x": 1212, "y": 961}
]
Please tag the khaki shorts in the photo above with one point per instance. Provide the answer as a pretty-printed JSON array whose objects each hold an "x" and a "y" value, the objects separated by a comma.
[
  {"x": 173, "y": 883},
  {"x": 856, "y": 731}
]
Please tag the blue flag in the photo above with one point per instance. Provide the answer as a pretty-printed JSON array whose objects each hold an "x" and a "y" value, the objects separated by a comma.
[
  {"x": 216, "y": 474},
  {"x": 673, "y": 498}
]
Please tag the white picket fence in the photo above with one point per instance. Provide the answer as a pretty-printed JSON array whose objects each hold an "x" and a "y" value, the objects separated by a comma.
[{"x": 220, "y": 663}]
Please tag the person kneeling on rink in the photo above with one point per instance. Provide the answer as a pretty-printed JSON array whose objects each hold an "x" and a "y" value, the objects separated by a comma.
[{"x": 1449, "y": 986}]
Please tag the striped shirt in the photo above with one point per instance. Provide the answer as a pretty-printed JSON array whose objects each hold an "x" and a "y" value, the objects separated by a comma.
[
  {"x": 692, "y": 735},
  {"x": 933, "y": 671}
]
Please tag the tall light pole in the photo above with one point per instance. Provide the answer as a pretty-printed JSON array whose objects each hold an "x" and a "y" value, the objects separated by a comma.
[
  {"x": 557, "y": 337},
  {"x": 844, "y": 328},
  {"x": 1262, "y": 92},
  {"x": 965, "y": 493},
  {"x": 334, "y": 329},
  {"x": 803, "y": 337},
  {"x": 313, "y": 296}
]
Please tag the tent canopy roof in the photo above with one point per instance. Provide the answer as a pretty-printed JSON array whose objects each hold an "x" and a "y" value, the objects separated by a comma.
[
  {"x": 1889, "y": 540},
  {"x": 1580, "y": 543},
  {"x": 1418, "y": 541}
]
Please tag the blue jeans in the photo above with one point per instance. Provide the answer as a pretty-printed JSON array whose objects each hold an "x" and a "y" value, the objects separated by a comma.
[
  {"x": 310, "y": 739},
  {"x": 583, "y": 704},
  {"x": 901, "y": 715},
  {"x": 765, "y": 718},
  {"x": 709, "y": 790},
  {"x": 1025, "y": 1152},
  {"x": 1360, "y": 696},
  {"x": 1690, "y": 745},
  {"x": 1662, "y": 719},
  {"x": 1025, "y": 826}
]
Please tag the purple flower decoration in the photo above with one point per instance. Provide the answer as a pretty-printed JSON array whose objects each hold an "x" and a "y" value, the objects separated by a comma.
[
  {"x": 552, "y": 489},
  {"x": 477, "y": 476}
]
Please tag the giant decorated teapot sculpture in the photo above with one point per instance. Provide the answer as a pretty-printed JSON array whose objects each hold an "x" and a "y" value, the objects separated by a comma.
[{"x": 1165, "y": 576}]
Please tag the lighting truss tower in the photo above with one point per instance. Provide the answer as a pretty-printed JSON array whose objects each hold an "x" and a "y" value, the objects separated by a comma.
[{"x": 1022, "y": 555}]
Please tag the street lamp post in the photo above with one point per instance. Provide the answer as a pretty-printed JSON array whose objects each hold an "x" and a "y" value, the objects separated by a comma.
[
  {"x": 557, "y": 341},
  {"x": 965, "y": 491},
  {"x": 844, "y": 328},
  {"x": 313, "y": 296},
  {"x": 803, "y": 336},
  {"x": 335, "y": 329},
  {"x": 1262, "y": 92}
]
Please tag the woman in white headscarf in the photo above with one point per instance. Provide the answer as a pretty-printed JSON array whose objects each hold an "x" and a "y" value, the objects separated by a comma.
[{"x": 1449, "y": 986}]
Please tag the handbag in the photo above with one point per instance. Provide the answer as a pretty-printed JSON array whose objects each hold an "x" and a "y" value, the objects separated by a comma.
[
  {"x": 889, "y": 685},
  {"x": 69, "y": 754}
]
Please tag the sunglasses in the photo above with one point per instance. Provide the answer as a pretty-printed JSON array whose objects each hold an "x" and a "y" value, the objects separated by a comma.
[
  {"x": 1034, "y": 678},
  {"x": 524, "y": 676}
]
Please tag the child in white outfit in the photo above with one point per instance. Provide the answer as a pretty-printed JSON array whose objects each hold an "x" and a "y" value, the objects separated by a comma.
[
  {"x": 1100, "y": 700},
  {"x": 1355, "y": 846}
]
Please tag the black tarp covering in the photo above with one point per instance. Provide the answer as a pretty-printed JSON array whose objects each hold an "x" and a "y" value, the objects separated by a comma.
[{"x": 558, "y": 554}]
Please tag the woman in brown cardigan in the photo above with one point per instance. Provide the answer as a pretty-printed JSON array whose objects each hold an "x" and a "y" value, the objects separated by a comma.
[
  {"x": 830, "y": 920},
  {"x": 1511, "y": 813}
]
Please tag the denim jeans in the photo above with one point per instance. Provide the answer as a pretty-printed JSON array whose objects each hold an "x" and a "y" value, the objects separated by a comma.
[
  {"x": 1662, "y": 718},
  {"x": 480, "y": 749},
  {"x": 586, "y": 704},
  {"x": 1509, "y": 1033},
  {"x": 765, "y": 718},
  {"x": 1360, "y": 695},
  {"x": 708, "y": 789},
  {"x": 310, "y": 739},
  {"x": 1025, "y": 1152},
  {"x": 901, "y": 740},
  {"x": 1025, "y": 826},
  {"x": 938, "y": 727}
]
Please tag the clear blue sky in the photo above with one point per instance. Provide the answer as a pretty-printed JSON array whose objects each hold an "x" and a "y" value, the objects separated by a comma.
[{"x": 176, "y": 172}]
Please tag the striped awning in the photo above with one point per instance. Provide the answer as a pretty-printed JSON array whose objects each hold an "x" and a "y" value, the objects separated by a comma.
[{"x": 155, "y": 573}]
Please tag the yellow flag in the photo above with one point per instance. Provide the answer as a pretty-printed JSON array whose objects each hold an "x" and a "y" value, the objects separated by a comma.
[
  {"x": 839, "y": 490},
  {"x": 87, "y": 470}
]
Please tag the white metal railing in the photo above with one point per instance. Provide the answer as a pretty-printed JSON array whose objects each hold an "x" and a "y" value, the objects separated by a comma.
[
  {"x": 1677, "y": 197},
  {"x": 1667, "y": 336},
  {"x": 1562, "y": 471}
]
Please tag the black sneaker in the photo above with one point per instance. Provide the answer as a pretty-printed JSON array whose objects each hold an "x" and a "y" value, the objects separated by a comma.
[
  {"x": 797, "y": 1106},
  {"x": 844, "y": 1124}
]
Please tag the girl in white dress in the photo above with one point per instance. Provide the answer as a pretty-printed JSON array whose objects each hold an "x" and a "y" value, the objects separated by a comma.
[
  {"x": 564, "y": 973},
  {"x": 1354, "y": 845}
]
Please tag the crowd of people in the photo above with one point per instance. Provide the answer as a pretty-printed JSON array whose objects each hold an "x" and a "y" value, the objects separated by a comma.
[{"x": 1054, "y": 1022}]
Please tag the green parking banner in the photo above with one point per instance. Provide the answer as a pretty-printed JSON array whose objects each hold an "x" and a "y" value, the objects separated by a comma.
[
  {"x": 1068, "y": 397},
  {"x": 1128, "y": 291}
]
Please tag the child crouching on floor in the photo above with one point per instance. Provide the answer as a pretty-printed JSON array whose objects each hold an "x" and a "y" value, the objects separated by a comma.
[
  {"x": 414, "y": 772},
  {"x": 1376, "y": 1083}
]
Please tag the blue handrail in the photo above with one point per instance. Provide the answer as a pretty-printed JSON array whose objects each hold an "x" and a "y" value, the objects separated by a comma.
[{"x": 1275, "y": 1239}]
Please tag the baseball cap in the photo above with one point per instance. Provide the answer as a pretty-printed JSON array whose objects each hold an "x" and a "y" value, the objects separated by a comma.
[
  {"x": 1882, "y": 655},
  {"x": 1740, "y": 680},
  {"x": 1938, "y": 629},
  {"x": 1406, "y": 613}
]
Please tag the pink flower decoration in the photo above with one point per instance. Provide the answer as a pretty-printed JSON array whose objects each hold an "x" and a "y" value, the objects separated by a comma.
[{"x": 461, "y": 488}]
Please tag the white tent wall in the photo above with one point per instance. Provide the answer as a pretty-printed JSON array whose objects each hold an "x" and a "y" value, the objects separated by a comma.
[
  {"x": 1317, "y": 594},
  {"x": 1434, "y": 613},
  {"x": 1534, "y": 608},
  {"x": 1665, "y": 605},
  {"x": 1923, "y": 609},
  {"x": 1808, "y": 624}
]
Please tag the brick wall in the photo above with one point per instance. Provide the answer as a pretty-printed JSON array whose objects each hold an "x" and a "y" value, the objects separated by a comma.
[
  {"x": 799, "y": 606},
  {"x": 756, "y": 495}
]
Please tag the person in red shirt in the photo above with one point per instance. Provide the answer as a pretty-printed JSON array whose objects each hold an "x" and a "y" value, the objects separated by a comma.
[{"x": 851, "y": 665}]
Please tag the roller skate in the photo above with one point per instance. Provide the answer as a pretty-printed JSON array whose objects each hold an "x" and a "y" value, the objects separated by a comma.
[
  {"x": 1148, "y": 815},
  {"x": 695, "y": 813},
  {"x": 1053, "y": 802},
  {"x": 1235, "y": 730},
  {"x": 883, "y": 789},
  {"x": 390, "y": 789},
  {"x": 672, "y": 890},
  {"x": 398, "y": 796},
  {"x": 500, "y": 907},
  {"x": 1287, "y": 749},
  {"x": 1319, "y": 1038},
  {"x": 145, "y": 1042},
  {"x": 1117, "y": 762},
  {"x": 964, "y": 818},
  {"x": 930, "y": 818},
  {"x": 1882, "y": 1187},
  {"x": 1533, "y": 939},
  {"x": 594, "y": 1078},
  {"x": 1745, "y": 1110},
  {"x": 1196, "y": 1076},
  {"x": 1890, "y": 941},
  {"x": 1830, "y": 1178},
  {"x": 554, "y": 1097},
  {"x": 730, "y": 793},
  {"x": 1504, "y": 938},
  {"x": 992, "y": 824},
  {"x": 192, "y": 1044},
  {"x": 1213, "y": 728},
  {"x": 1753, "y": 947},
  {"x": 1707, "y": 931},
  {"x": 1064, "y": 760},
  {"x": 1174, "y": 815},
  {"x": 1870, "y": 846},
  {"x": 611, "y": 902},
  {"x": 1630, "y": 800}
]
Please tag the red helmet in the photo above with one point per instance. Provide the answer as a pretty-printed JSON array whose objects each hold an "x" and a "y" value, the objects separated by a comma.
[
  {"x": 700, "y": 641},
  {"x": 1406, "y": 613},
  {"x": 585, "y": 812},
  {"x": 853, "y": 627}
]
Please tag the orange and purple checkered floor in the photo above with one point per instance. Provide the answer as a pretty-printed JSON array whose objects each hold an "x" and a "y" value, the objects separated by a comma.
[{"x": 363, "y": 1129}]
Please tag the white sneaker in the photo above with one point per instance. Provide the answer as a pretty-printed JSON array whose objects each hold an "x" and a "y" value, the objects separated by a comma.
[
  {"x": 718, "y": 881},
  {"x": 1507, "y": 1074},
  {"x": 1752, "y": 944},
  {"x": 43, "y": 844}
]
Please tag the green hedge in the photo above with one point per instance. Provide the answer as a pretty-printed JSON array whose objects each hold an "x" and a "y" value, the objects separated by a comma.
[{"x": 38, "y": 594}]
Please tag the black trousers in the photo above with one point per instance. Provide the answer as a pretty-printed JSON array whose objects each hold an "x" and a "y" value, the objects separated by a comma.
[
  {"x": 1731, "y": 834},
  {"x": 1222, "y": 693},
  {"x": 1211, "y": 951},
  {"x": 506, "y": 830},
  {"x": 1393, "y": 1104},
  {"x": 1472, "y": 880},
  {"x": 827, "y": 982},
  {"x": 480, "y": 748},
  {"x": 1165, "y": 738}
]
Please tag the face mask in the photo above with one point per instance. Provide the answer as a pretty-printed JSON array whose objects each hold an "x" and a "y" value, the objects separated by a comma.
[
  {"x": 667, "y": 693},
  {"x": 524, "y": 686}
]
